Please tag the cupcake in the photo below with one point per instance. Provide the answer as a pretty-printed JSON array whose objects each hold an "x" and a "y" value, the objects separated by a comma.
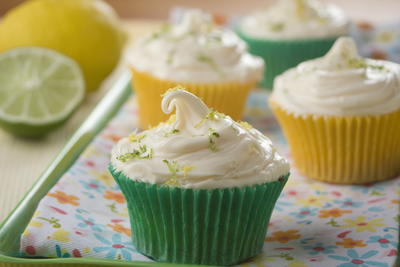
[
  {"x": 209, "y": 61},
  {"x": 290, "y": 32},
  {"x": 200, "y": 187},
  {"x": 341, "y": 116}
]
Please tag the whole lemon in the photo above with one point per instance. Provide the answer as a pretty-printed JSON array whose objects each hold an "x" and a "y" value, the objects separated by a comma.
[{"x": 85, "y": 30}]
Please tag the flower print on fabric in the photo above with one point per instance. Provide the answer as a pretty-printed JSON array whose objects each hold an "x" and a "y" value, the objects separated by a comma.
[
  {"x": 354, "y": 259},
  {"x": 320, "y": 248},
  {"x": 348, "y": 203},
  {"x": 335, "y": 213},
  {"x": 119, "y": 228},
  {"x": 361, "y": 224},
  {"x": 284, "y": 236},
  {"x": 384, "y": 241},
  {"x": 115, "y": 247},
  {"x": 314, "y": 201},
  {"x": 280, "y": 205},
  {"x": 304, "y": 212},
  {"x": 93, "y": 185},
  {"x": 117, "y": 197},
  {"x": 63, "y": 198},
  {"x": 90, "y": 223},
  {"x": 351, "y": 243},
  {"x": 103, "y": 177}
]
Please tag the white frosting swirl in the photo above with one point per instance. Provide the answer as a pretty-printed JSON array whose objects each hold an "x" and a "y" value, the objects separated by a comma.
[
  {"x": 196, "y": 51},
  {"x": 296, "y": 19},
  {"x": 201, "y": 149},
  {"x": 340, "y": 84}
]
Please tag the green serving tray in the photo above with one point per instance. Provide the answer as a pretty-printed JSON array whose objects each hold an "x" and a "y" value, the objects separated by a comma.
[{"x": 13, "y": 226}]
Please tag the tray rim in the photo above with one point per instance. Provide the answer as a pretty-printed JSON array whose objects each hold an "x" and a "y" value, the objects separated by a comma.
[{"x": 102, "y": 113}]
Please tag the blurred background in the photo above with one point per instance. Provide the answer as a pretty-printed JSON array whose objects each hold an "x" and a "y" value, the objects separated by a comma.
[{"x": 371, "y": 10}]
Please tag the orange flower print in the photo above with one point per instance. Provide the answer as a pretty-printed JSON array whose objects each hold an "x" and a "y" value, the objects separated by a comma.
[
  {"x": 117, "y": 197},
  {"x": 351, "y": 243},
  {"x": 364, "y": 25},
  {"x": 112, "y": 137},
  {"x": 377, "y": 54},
  {"x": 332, "y": 213},
  {"x": 64, "y": 198},
  {"x": 284, "y": 236},
  {"x": 120, "y": 229}
]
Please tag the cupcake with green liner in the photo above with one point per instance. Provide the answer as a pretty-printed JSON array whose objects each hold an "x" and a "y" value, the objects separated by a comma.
[
  {"x": 341, "y": 116},
  {"x": 200, "y": 187},
  {"x": 211, "y": 62},
  {"x": 290, "y": 32}
]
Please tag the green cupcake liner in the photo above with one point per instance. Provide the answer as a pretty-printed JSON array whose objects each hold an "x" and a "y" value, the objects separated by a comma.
[
  {"x": 280, "y": 55},
  {"x": 198, "y": 226}
]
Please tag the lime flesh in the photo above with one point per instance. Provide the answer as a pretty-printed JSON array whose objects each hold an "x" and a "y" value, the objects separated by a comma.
[{"x": 39, "y": 90}]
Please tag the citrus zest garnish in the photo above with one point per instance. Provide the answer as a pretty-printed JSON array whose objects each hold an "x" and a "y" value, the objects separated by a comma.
[
  {"x": 136, "y": 137},
  {"x": 212, "y": 115},
  {"x": 246, "y": 125},
  {"x": 176, "y": 88},
  {"x": 187, "y": 168},
  {"x": 141, "y": 153}
]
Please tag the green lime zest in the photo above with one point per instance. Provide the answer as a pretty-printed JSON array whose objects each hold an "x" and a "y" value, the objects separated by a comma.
[
  {"x": 277, "y": 27},
  {"x": 170, "y": 57},
  {"x": 208, "y": 60},
  {"x": 169, "y": 134},
  {"x": 175, "y": 169},
  {"x": 358, "y": 63},
  {"x": 212, "y": 137},
  {"x": 212, "y": 115},
  {"x": 157, "y": 34},
  {"x": 141, "y": 153}
]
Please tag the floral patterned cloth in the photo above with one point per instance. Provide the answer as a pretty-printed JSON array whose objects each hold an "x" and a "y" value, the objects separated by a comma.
[
  {"x": 379, "y": 42},
  {"x": 85, "y": 214}
]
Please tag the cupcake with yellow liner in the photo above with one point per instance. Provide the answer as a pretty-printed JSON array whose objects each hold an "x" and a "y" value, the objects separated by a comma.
[
  {"x": 209, "y": 61},
  {"x": 290, "y": 32},
  {"x": 200, "y": 187},
  {"x": 341, "y": 116}
]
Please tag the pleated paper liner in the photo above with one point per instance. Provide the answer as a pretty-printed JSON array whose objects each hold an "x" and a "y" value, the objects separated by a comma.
[
  {"x": 280, "y": 55},
  {"x": 345, "y": 150},
  {"x": 198, "y": 226},
  {"x": 228, "y": 98}
]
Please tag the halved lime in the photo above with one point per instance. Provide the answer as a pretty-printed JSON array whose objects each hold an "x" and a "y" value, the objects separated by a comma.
[{"x": 39, "y": 90}]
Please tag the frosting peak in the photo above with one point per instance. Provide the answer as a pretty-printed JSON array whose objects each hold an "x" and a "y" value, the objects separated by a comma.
[
  {"x": 342, "y": 55},
  {"x": 189, "y": 108},
  {"x": 199, "y": 148},
  {"x": 195, "y": 22},
  {"x": 340, "y": 84}
]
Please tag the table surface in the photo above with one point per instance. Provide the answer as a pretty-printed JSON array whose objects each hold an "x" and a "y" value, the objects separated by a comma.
[{"x": 22, "y": 161}]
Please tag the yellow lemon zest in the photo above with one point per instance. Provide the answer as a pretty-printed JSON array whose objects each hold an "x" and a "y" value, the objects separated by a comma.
[
  {"x": 187, "y": 168},
  {"x": 136, "y": 137},
  {"x": 246, "y": 125},
  {"x": 176, "y": 88}
]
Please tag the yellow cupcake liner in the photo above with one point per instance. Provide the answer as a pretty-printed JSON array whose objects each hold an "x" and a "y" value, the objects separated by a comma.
[
  {"x": 229, "y": 98},
  {"x": 345, "y": 150}
]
